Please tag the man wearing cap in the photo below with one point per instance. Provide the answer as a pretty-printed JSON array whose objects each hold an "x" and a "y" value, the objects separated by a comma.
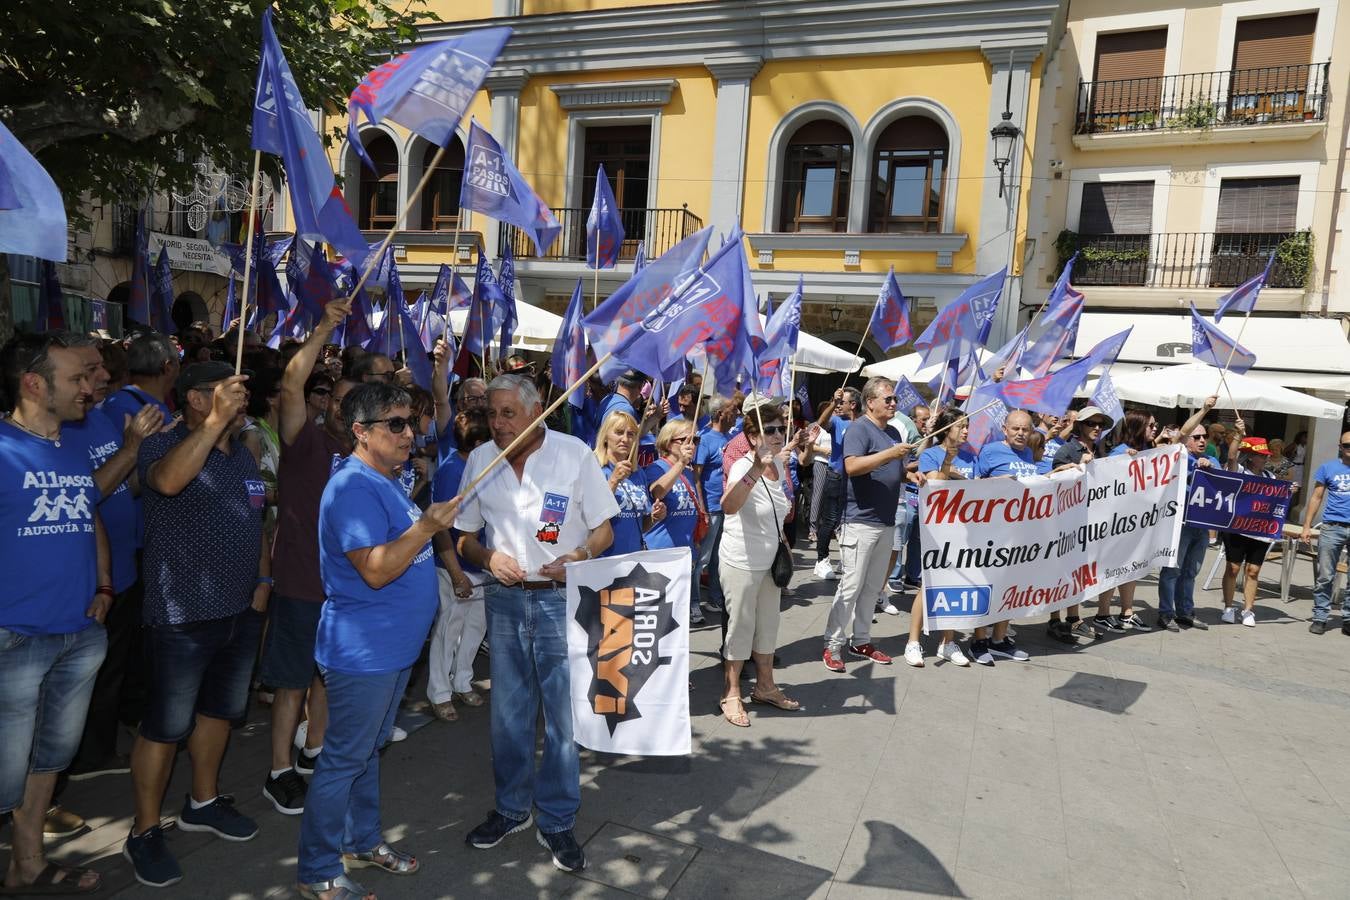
[
  {"x": 1332, "y": 484},
  {"x": 207, "y": 579},
  {"x": 1247, "y": 455}
]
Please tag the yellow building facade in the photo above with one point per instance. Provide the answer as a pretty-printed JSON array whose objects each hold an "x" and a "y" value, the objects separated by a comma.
[{"x": 844, "y": 137}]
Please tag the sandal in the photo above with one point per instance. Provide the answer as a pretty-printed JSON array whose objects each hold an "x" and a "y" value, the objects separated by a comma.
[
  {"x": 345, "y": 888},
  {"x": 740, "y": 719},
  {"x": 48, "y": 883},
  {"x": 777, "y": 699},
  {"x": 382, "y": 857},
  {"x": 445, "y": 711},
  {"x": 469, "y": 698}
]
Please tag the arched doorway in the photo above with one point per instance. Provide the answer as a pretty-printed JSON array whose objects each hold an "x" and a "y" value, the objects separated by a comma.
[{"x": 189, "y": 307}]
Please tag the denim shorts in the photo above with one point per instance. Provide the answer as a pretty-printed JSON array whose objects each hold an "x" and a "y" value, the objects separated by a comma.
[
  {"x": 45, "y": 684},
  {"x": 288, "y": 650},
  {"x": 199, "y": 668}
]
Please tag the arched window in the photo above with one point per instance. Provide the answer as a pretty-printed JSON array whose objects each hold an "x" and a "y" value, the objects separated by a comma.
[
  {"x": 909, "y": 173},
  {"x": 440, "y": 198},
  {"x": 379, "y": 189},
  {"x": 816, "y": 168}
]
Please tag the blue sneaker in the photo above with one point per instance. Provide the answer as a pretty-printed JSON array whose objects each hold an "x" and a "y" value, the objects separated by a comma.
[
  {"x": 219, "y": 818},
  {"x": 150, "y": 858},
  {"x": 567, "y": 854},
  {"x": 493, "y": 831}
]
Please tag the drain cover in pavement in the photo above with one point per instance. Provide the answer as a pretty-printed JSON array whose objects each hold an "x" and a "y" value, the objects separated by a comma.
[{"x": 639, "y": 862}]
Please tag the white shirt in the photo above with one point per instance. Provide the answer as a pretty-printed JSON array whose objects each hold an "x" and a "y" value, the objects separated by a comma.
[
  {"x": 750, "y": 537},
  {"x": 561, "y": 496}
]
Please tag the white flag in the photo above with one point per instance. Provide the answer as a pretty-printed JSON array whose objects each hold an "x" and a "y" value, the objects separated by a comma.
[{"x": 628, "y": 652}]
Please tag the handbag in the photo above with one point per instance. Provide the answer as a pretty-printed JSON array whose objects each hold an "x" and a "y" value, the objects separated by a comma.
[
  {"x": 780, "y": 570},
  {"x": 703, "y": 523}
]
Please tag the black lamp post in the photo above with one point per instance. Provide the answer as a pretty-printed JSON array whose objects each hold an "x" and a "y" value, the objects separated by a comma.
[{"x": 1005, "y": 133}]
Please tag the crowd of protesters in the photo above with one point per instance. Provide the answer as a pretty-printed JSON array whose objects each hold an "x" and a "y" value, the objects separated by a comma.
[{"x": 319, "y": 530}]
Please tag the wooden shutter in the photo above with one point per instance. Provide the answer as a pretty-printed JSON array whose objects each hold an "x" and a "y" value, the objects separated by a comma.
[
  {"x": 1116, "y": 207},
  {"x": 1270, "y": 58},
  {"x": 1257, "y": 205},
  {"x": 1128, "y": 71}
]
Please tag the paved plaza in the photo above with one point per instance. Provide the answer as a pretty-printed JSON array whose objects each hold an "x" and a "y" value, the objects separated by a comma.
[{"x": 1199, "y": 764}]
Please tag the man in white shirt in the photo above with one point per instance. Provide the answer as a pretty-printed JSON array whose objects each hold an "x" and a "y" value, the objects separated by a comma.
[{"x": 546, "y": 505}]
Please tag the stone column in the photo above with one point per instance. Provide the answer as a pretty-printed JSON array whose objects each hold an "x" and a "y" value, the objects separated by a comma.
[
  {"x": 503, "y": 87},
  {"x": 733, "y": 72},
  {"x": 1000, "y": 221}
]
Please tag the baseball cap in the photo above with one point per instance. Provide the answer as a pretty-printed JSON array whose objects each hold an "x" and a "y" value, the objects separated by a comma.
[
  {"x": 764, "y": 403},
  {"x": 1092, "y": 412},
  {"x": 1257, "y": 445},
  {"x": 198, "y": 374},
  {"x": 632, "y": 378}
]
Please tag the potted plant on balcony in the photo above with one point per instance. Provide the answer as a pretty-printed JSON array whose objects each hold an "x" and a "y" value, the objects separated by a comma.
[
  {"x": 1293, "y": 261},
  {"x": 1201, "y": 114}
]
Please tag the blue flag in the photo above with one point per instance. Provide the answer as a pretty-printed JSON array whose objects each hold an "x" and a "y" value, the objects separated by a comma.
[
  {"x": 962, "y": 325},
  {"x": 1052, "y": 394},
  {"x": 161, "y": 306},
  {"x": 139, "y": 304},
  {"x": 890, "y": 316},
  {"x": 1057, "y": 340},
  {"x": 400, "y": 337},
  {"x": 620, "y": 318},
  {"x": 804, "y": 397},
  {"x": 906, "y": 395},
  {"x": 265, "y": 293},
  {"x": 506, "y": 282},
  {"x": 1210, "y": 345},
  {"x": 569, "y": 350},
  {"x": 450, "y": 292},
  {"x": 282, "y": 127},
  {"x": 1104, "y": 397},
  {"x": 783, "y": 329},
  {"x": 427, "y": 89},
  {"x": 310, "y": 279},
  {"x": 483, "y": 322},
  {"x": 492, "y": 186},
  {"x": 231, "y": 305},
  {"x": 1062, "y": 295},
  {"x": 1008, "y": 357},
  {"x": 988, "y": 412},
  {"x": 604, "y": 226},
  {"x": 640, "y": 259},
  {"x": 51, "y": 312},
  {"x": 32, "y": 214},
  {"x": 1243, "y": 297}
]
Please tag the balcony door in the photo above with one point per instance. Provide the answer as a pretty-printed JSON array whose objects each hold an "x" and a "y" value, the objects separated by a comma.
[
  {"x": 1271, "y": 58},
  {"x": 1255, "y": 216},
  {"x": 1115, "y": 226},
  {"x": 1128, "y": 80},
  {"x": 626, "y": 153}
]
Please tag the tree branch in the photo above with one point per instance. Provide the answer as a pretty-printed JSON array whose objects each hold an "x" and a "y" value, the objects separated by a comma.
[{"x": 48, "y": 122}]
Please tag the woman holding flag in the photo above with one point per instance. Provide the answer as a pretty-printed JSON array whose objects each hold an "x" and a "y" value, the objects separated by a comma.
[
  {"x": 637, "y": 512},
  {"x": 668, "y": 482}
]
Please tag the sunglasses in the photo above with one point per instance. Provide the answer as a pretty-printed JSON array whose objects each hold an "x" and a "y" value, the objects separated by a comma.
[
  {"x": 1345, "y": 446},
  {"x": 395, "y": 424},
  {"x": 887, "y": 400},
  {"x": 1196, "y": 437},
  {"x": 775, "y": 429},
  {"x": 322, "y": 392}
]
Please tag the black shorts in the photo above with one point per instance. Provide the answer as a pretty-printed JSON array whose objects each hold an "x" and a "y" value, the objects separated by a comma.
[{"x": 1238, "y": 548}]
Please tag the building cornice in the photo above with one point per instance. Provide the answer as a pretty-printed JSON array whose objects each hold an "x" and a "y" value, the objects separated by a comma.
[
  {"x": 506, "y": 80},
  {"x": 692, "y": 34},
  {"x": 609, "y": 94},
  {"x": 734, "y": 66},
  {"x": 895, "y": 243}
]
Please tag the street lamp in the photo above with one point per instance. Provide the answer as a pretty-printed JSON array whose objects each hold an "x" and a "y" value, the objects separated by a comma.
[
  {"x": 835, "y": 312},
  {"x": 1005, "y": 135}
]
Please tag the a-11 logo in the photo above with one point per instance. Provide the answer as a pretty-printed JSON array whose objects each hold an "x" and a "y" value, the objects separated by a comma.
[{"x": 972, "y": 600}]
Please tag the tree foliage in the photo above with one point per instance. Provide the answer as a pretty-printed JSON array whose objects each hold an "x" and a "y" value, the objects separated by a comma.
[{"x": 114, "y": 96}]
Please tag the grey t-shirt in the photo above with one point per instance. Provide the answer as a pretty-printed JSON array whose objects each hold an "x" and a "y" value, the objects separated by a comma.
[{"x": 872, "y": 498}]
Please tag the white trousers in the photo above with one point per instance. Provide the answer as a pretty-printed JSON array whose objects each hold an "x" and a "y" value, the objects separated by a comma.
[{"x": 459, "y": 629}]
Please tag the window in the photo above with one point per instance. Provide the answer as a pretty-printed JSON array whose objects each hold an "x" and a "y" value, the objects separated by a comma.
[
  {"x": 1127, "y": 79},
  {"x": 1271, "y": 67},
  {"x": 817, "y": 165},
  {"x": 379, "y": 189},
  {"x": 1255, "y": 215},
  {"x": 909, "y": 168},
  {"x": 1115, "y": 222},
  {"x": 440, "y": 198},
  {"x": 626, "y": 153}
]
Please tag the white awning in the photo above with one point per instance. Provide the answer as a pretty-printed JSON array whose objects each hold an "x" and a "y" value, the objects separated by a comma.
[
  {"x": 536, "y": 328},
  {"x": 1312, "y": 354}
]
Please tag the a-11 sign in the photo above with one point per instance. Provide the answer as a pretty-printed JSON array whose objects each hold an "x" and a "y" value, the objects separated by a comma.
[{"x": 1239, "y": 503}]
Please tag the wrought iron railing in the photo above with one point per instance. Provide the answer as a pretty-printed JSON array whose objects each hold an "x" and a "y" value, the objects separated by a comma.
[
  {"x": 1190, "y": 260},
  {"x": 659, "y": 229},
  {"x": 1230, "y": 99}
]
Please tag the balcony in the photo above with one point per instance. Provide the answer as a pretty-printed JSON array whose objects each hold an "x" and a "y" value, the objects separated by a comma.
[
  {"x": 1187, "y": 260},
  {"x": 659, "y": 229},
  {"x": 1275, "y": 103}
]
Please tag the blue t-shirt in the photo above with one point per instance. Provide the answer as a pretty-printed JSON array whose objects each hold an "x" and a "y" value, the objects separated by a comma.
[
  {"x": 362, "y": 630},
  {"x": 931, "y": 460},
  {"x": 1334, "y": 476},
  {"x": 711, "y": 444},
  {"x": 97, "y": 434},
  {"x": 634, "y": 504},
  {"x": 1119, "y": 450},
  {"x": 444, "y": 485},
  {"x": 1001, "y": 459},
  {"x": 48, "y": 552},
  {"x": 701, "y": 424},
  {"x": 1044, "y": 465},
  {"x": 837, "y": 425},
  {"x": 127, "y": 402},
  {"x": 873, "y": 498},
  {"x": 677, "y": 528},
  {"x": 1052, "y": 446}
]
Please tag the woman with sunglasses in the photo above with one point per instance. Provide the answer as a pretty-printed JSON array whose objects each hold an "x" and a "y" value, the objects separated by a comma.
[
  {"x": 755, "y": 506},
  {"x": 1176, "y": 584},
  {"x": 318, "y": 388},
  {"x": 670, "y": 483},
  {"x": 637, "y": 512},
  {"x": 1137, "y": 432}
]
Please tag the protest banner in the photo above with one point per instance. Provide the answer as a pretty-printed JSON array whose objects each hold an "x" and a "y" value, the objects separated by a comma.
[
  {"x": 628, "y": 652},
  {"x": 1239, "y": 503},
  {"x": 1003, "y": 548},
  {"x": 188, "y": 254}
]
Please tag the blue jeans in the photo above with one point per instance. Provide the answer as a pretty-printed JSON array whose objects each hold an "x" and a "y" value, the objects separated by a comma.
[
  {"x": 198, "y": 668},
  {"x": 45, "y": 684},
  {"x": 1334, "y": 539},
  {"x": 527, "y": 631},
  {"x": 1176, "y": 584},
  {"x": 342, "y": 806},
  {"x": 707, "y": 559}
]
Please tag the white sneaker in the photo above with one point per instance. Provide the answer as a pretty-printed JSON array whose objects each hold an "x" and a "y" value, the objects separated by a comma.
[
  {"x": 1229, "y": 615},
  {"x": 301, "y": 732},
  {"x": 826, "y": 571},
  {"x": 884, "y": 605},
  {"x": 914, "y": 654},
  {"x": 1249, "y": 618},
  {"x": 951, "y": 652},
  {"x": 398, "y": 734}
]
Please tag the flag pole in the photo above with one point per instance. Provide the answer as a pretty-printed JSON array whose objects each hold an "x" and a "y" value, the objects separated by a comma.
[
  {"x": 248, "y": 260},
  {"x": 962, "y": 419},
  {"x": 1232, "y": 351},
  {"x": 937, "y": 398},
  {"x": 398, "y": 222},
  {"x": 792, "y": 393},
  {"x": 454, "y": 262},
  {"x": 528, "y": 432},
  {"x": 858, "y": 352}
]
